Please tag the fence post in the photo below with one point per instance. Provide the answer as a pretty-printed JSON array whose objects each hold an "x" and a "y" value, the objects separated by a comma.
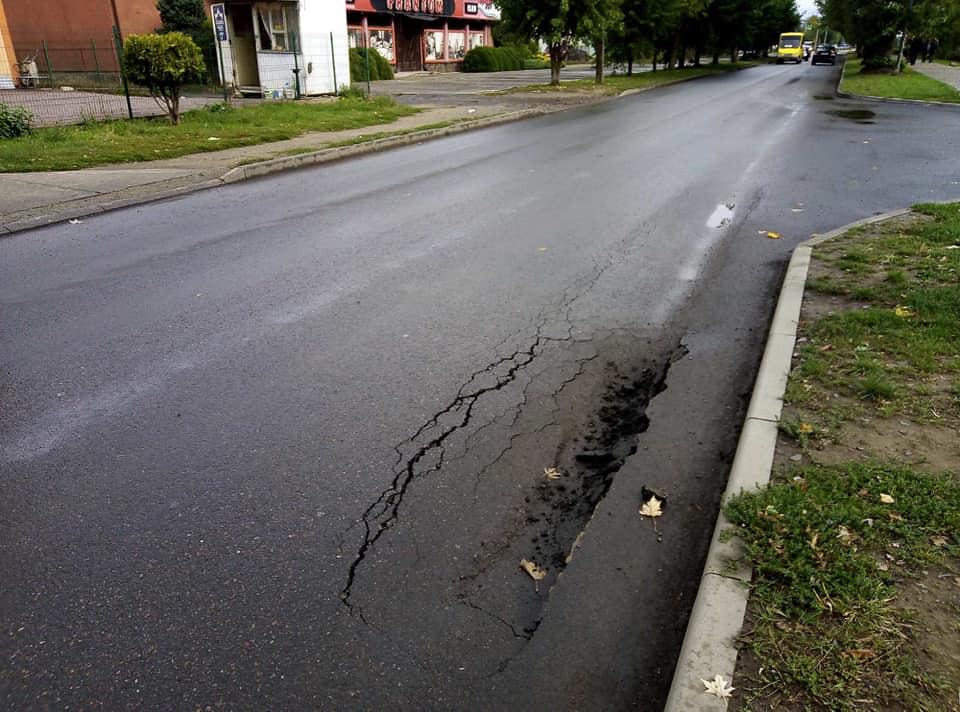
[
  {"x": 96, "y": 62},
  {"x": 46, "y": 57},
  {"x": 296, "y": 64},
  {"x": 366, "y": 57},
  {"x": 333, "y": 61},
  {"x": 123, "y": 77}
]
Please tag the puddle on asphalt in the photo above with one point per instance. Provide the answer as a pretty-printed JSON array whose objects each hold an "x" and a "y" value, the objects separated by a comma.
[
  {"x": 721, "y": 216},
  {"x": 858, "y": 115}
]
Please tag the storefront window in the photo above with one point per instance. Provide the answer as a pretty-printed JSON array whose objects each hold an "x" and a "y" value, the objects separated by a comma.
[
  {"x": 476, "y": 40},
  {"x": 434, "y": 39},
  {"x": 381, "y": 39},
  {"x": 355, "y": 37},
  {"x": 278, "y": 25},
  {"x": 456, "y": 44}
]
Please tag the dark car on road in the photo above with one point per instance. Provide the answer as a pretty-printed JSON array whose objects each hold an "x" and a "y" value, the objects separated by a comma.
[{"x": 825, "y": 54}]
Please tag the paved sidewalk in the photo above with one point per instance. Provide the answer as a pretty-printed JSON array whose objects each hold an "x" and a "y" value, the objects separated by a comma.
[{"x": 940, "y": 72}]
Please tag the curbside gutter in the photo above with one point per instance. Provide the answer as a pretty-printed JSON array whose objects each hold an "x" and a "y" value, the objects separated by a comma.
[{"x": 709, "y": 644}]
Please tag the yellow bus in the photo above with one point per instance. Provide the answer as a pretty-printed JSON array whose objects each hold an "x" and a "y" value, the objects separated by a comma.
[{"x": 790, "y": 47}]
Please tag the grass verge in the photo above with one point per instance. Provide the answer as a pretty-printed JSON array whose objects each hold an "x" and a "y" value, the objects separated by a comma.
[
  {"x": 856, "y": 543},
  {"x": 907, "y": 85},
  {"x": 210, "y": 129},
  {"x": 641, "y": 80}
]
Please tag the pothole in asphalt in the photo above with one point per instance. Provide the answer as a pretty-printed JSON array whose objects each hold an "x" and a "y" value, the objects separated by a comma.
[{"x": 858, "y": 115}]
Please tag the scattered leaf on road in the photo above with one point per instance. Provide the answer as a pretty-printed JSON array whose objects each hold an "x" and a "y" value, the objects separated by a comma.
[
  {"x": 774, "y": 235},
  {"x": 535, "y": 572},
  {"x": 541, "y": 249},
  {"x": 75, "y": 222},
  {"x": 886, "y": 499},
  {"x": 551, "y": 473},
  {"x": 651, "y": 508}
]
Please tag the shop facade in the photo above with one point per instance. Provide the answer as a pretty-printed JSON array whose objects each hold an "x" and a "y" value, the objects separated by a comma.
[
  {"x": 280, "y": 49},
  {"x": 421, "y": 35}
]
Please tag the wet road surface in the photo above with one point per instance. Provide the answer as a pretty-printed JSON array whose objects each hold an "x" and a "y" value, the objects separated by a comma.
[{"x": 284, "y": 444}]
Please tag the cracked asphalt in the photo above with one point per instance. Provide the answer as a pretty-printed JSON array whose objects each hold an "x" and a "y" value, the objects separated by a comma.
[{"x": 283, "y": 444}]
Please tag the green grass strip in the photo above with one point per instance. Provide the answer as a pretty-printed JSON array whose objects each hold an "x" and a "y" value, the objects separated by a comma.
[
  {"x": 210, "y": 129},
  {"x": 907, "y": 85}
]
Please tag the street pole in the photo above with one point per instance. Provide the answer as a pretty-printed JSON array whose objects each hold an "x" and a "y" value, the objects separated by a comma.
[{"x": 903, "y": 36}]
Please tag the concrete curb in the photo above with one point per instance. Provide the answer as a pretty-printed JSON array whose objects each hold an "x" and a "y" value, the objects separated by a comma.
[
  {"x": 720, "y": 607},
  {"x": 327, "y": 155}
]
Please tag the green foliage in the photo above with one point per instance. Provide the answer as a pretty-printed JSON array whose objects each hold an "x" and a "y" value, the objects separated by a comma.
[
  {"x": 163, "y": 64},
  {"x": 14, "y": 121},
  {"x": 493, "y": 59},
  {"x": 189, "y": 17},
  {"x": 181, "y": 15},
  {"x": 379, "y": 67},
  {"x": 794, "y": 532}
]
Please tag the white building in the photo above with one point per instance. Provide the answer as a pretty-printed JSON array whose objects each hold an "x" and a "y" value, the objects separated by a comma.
[{"x": 272, "y": 49}]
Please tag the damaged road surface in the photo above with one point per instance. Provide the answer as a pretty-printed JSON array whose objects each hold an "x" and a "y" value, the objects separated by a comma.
[{"x": 377, "y": 435}]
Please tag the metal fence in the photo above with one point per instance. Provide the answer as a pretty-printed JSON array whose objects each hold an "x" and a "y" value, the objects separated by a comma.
[{"x": 71, "y": 84}]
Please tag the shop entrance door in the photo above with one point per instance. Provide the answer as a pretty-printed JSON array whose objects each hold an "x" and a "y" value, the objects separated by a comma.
[{"x": 409, "y": 45}]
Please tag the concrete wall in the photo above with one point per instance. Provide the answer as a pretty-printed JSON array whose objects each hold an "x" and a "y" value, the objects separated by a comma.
[
  {"x": 8, "y": 58},
  {"x": 68, "y": 26}
]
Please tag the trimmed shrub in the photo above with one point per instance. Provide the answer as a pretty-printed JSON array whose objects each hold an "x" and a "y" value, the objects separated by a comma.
[
  {"x": 163, "y": 64},
  {"x": 379, "y": 67},
  {"x": 493, "y": 59},
  {"x": 14, "y": 121}
]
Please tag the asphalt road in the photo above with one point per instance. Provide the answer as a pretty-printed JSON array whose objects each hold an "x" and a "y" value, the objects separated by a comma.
[{"x": 282, "y": 445}]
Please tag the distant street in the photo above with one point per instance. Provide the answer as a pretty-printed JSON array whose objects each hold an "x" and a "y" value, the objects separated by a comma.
[{"x": 284, "y": 444}]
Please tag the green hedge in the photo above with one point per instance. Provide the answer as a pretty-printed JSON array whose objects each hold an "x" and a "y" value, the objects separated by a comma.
[
  {"x": 493, "y": 59},
  {"x": 379, "y": 67}
]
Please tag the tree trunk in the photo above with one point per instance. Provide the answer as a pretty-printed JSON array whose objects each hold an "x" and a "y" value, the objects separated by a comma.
[
  {"x": 598, "y": 48},
  {"x": 556, "y": 53},
  {"x": 716, "y": 56},
  {"x": 175, "y": 109}
]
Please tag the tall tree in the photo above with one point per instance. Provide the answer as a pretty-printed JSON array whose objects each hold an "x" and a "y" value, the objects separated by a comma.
[{"x": 871, "y": 25}]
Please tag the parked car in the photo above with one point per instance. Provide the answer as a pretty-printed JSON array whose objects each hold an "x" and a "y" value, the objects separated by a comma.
[{"x": 825, "y": 54}]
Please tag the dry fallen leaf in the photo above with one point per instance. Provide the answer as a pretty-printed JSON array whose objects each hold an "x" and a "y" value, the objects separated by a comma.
[
  {"x": 845, "y": 535},
  {"x": 886, "y": 499},
  {"x": 651, "y": 508},
  {"x": 75, "y": 222},
  {"x": 860, "y": 653},
  {"x": 551, "y": 473},
  {"x": 773, "y": 235},
  {"x": 806, "y": 428},
  {"x": 535, "y": 572},
  {"x": 903, "y": 311},
  {"x": 939, "y": 541},
  {"x": 718, "y": 687}
]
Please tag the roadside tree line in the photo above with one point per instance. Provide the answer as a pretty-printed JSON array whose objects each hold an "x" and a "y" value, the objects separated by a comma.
[{"x": 666, "y": 31}]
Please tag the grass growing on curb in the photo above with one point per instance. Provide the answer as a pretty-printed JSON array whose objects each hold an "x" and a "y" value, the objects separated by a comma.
[
  {"x": 209, "y": 129},
  {"x": 908, "y": 85},
  {"x": 827, "y": 551},
  {"x": 641, "y": 80},
  {"x": 841, "y": 545}
]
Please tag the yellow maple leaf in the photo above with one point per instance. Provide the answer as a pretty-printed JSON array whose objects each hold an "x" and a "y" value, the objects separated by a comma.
[
  {"x": 535, "y": 572},
  {"x": 652, "y": 507}
]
